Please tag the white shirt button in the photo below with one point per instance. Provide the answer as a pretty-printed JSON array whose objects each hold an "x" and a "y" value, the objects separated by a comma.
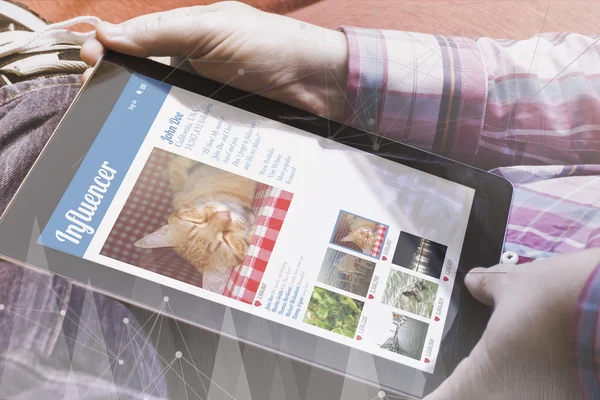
[{"x": 510, "y": 257}]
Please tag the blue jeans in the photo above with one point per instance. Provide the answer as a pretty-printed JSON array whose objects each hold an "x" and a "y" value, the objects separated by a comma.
[{"x": 59, "y": 340}]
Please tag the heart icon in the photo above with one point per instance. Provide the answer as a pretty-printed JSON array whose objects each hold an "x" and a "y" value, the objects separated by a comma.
[
  {"x": 359, "y": 337},
  {"x": 371, "y": 296},
  {"x": 427, "y": 361},
  {"x": 384, "y": 258},
  {"x": 257, "y": 303},
  {"x": 446, "y": 279},
  {"x": 437, "y": 319}
]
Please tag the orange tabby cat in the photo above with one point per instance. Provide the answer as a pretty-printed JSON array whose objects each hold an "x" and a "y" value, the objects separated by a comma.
[
  {"x": 362, "y": 233},
  {"x": 212, "y": 222}
]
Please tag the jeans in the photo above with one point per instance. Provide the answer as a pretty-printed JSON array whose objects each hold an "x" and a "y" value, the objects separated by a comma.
[{"x": 60, "y": 340}]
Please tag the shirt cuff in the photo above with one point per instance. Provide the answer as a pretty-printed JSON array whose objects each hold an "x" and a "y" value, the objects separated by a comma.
[
  {"x": 586, "y": 336},
  {"x": 427, "y": 91}
]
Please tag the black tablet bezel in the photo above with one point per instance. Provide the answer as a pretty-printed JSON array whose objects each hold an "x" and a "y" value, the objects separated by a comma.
[{"x": 29, "y": 212}]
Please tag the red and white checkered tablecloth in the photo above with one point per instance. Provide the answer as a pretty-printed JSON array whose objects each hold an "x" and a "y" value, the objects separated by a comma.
[
  {"x": 381, "y": 232},
  {"x": 270, "y": 207},
  {"x": 147, "y": 209}
]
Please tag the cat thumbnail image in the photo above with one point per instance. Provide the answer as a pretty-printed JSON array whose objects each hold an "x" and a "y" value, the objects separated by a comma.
[
  {"x": 186, "y": 220},
  {"x": 406, "y": 336},
  {"x": 420, "y": 255},
  {"x": 410, "y": 293},
  {"x": 346, "y": 272},
  {"x": 359, "y": 234},
  {"x": 333, "y": 312}
]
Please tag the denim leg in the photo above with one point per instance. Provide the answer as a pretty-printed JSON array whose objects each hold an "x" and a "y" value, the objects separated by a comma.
[{"x": 59, "y": 340}]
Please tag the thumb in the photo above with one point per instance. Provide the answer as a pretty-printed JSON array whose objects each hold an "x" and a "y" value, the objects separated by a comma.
[
  {"x": 169, "y": 33},
  {"x": 485, "y": 284},
  {"x": 454, "y": 387}
]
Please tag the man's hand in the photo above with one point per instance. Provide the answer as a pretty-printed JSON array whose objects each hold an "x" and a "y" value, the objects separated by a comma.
[
  {"x": 525, "y": 350},
  {"x": 278, "y": 57}
]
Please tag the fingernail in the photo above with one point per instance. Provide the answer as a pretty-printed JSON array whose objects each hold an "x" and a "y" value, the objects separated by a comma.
[
  {"x": 473, "y": 276},
  {"x": 110, "y": 29}
]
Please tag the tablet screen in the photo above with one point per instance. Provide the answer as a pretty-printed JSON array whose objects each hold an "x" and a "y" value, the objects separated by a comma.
[{"x": 244, "y": 211}]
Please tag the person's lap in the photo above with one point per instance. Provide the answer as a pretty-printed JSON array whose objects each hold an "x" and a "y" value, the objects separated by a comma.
[{"x": 57, "y": 337}]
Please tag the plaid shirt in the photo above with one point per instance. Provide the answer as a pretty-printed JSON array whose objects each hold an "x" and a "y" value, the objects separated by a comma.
[{"x": 527, "y": 110}]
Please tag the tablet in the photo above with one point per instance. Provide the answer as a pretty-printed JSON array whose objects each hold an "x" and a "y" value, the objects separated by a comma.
[{"x": 299, "y": 235}]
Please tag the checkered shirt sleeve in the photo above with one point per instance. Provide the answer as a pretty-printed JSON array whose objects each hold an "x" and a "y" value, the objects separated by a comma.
[{"x": 528, "y": 109}]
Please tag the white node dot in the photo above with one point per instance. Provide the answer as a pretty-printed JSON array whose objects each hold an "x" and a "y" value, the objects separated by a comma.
[
  {"x": 376, "y": 146},
  {"x": 241, "y": 71},
  {"x": 178, "y": 354},
  {"x": 381, "y": 394},
  {"x": 62, "y": 312},
  {"x": 166, "y": 298},
  {"x": 371, "y": 121},
  {"x": 1, "y": 307},
  {"x": 125, "y": 320},
  {"x": 121, "y": 362}
]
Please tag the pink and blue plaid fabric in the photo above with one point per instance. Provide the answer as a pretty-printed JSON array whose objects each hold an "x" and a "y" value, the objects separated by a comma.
[{"x": 527, "y": 110}]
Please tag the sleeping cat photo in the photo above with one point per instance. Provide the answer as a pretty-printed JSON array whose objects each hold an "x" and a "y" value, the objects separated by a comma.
[{"x": 212, "y": 222}]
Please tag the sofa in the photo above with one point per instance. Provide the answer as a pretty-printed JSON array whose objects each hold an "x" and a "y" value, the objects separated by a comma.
[{"x": 504, "y": 19}]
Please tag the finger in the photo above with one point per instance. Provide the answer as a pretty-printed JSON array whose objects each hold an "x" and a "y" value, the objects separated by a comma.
[
  {"x": 485, "y": 284},
  {"x": 86, "y": 75},
  {"x": 91, "y": 51},
  {"x": 169, "y": 33}
]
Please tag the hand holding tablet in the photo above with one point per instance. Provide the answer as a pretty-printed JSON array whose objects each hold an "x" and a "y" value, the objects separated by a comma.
[
  {"x": 362, "y": 250},
  {"x": 515, "y": 346},
  {"x": 289, "y": 61}
]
